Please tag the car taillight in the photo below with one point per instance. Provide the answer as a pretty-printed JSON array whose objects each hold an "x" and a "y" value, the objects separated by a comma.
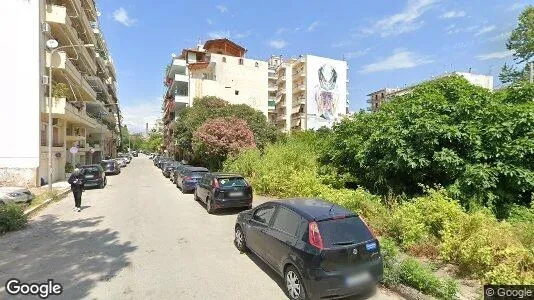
[
  {"x": 215, "y": 183},
  {"x": 187, "y": 178},
  {"x": 314, "y": 236}
]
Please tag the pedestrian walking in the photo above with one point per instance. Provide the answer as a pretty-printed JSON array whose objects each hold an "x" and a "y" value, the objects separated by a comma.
[{"x": 77, "y": 186}]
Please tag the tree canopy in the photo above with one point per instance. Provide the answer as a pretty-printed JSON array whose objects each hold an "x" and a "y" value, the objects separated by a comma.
[
  {"x": 477, "y": 144},
  {"x": 521, "y": 42}
]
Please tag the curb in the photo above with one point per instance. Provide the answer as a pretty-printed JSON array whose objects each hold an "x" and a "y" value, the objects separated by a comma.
[
  {"x": 408, "y": 292},
  {"x": 61, "y": 194}
]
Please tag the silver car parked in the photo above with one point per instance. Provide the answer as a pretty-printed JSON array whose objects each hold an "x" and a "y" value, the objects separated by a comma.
[{"x": 15, "y": 195}]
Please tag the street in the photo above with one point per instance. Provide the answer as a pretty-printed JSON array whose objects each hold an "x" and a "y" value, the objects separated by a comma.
[{"x": 139, "y": 238}]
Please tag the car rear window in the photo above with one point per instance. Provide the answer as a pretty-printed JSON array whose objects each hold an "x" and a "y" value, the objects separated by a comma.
[
  {"x": 232, "y": 181},
  {"x": 91, "y": 170},
  {"x": 345, "y": 230},
  {"x": 198, "y": 173}
]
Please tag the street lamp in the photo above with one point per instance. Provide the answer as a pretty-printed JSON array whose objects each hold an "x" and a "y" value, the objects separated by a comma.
[{"x": 52, "y": 45}]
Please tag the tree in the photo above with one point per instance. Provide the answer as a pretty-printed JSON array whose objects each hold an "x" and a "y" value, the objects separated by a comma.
[
  {"x": 475, "y": 143},
  {"x": 208, "y": 108},
  {"x": 220, "y": 137},
  {"x": 125, "y": 138},
  {"x": 521, "y": 42},
  {"x": 153, "y": 142}
]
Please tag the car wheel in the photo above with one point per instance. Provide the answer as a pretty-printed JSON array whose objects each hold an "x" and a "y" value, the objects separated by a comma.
[
  {"x": 294, "y": 284},
  {"x": 209, "y": 206},
  {"x": 195, "y": 196},
  {"x": 239, "y": 239},
  {"x": 102, "y": 185}
]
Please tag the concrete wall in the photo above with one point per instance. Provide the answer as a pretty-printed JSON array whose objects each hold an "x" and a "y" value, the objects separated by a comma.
[
  {"x": 248, "y": 79},
  {"x": 21, "y": 91},
  {"x": 325, "y": 103},
  {"x": 480, "y": 80}
]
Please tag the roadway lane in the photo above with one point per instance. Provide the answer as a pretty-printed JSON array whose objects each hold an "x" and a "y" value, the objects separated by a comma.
[{"x": 139, "y": 238}]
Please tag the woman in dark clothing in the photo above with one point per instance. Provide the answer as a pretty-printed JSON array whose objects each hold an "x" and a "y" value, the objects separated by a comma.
[{"x": 77, "y": 182}]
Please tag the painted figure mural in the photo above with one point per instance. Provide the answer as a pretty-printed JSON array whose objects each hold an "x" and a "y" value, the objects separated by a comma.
[{"x": 326, "y": 93}]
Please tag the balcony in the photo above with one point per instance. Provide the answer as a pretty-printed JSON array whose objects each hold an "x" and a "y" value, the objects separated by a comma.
[
  {"x": 101, "y": 62},
  {"x": 272, "y": 76},
  {"x": 90, "y": 10},
  {"x": 281, "y": 78},
  {"x": 111, "y": 67},
  {"x": 64, "y": 69},
  {"x": 85, "y": 28},
  {"x": 178, "y": 66},
  {"x": 65, "y": 110},
  {"x": 299, "y": 101},
  {"x": 272, "y": 88}
]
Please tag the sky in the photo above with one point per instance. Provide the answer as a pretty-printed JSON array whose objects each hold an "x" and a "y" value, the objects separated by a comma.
[{"x": 386, "y": 43}]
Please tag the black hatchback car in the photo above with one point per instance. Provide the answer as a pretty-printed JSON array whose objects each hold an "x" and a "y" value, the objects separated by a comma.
[
  {"x": 321, "y": 249},
  {"x": 94, "y": 176},
  {"x": 110, "y": 167},
  {"x": 223, "y": 190}
]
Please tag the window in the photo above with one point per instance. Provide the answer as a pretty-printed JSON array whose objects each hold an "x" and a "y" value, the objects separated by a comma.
[
  {"x": 287, "y": 221},
  {"x": 264, "y": 214},
  {"x": 236, "y": 92},
  {"x": 351, "y": 229},
  {"x": 240, "y": 61},
  {"x": 230, "y": 182},
  {"x": 224, "y": 59}
]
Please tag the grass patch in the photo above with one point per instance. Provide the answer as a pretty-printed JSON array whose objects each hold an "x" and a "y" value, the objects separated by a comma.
[{"x": 12, "y": 218}]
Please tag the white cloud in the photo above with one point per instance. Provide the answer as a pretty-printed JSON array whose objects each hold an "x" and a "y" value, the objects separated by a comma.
[
  {"x": 453, "y": 14},
  {"x": 221, "y": 8},
  {"x": 402, "y": 22},
  {"x": 209, "y": 21},
  {"x": 516, "y": 6},
  {"x": 400, "y": 59},
  {"x": 278, "y": 44},
  {"x": 495, "y": 55},
  {"x": 281, "y": 30},
  {"x": 312, "y": 26},
  {"x": 358, "y": 53},
  {"x": 220, "y": 34},
  {"x": 341, "y": 44},
  {"x": 121, "y": 15},
  {"x": 138, "y": 114},
  {"x": 500, "y": 37},
  {"x": 485, "y": 29},
  {"x": 297, "y": 29}
]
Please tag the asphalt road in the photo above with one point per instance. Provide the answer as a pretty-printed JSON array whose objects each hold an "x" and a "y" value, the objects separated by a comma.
[{"x": 139, "y": 238}]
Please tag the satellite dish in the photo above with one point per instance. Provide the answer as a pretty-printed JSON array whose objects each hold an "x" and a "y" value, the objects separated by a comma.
[
  {"x": 173, "y": 55},
  {"x": 98, "y": 14},
  {"x": 51, "y": 44}
]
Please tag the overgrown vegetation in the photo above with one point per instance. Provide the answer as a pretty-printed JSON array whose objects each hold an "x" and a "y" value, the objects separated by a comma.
[{"x": 11, "y": 217}]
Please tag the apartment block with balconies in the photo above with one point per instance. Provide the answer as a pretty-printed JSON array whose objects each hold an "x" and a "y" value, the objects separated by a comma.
[
  {"x": 311, "y": 92},
  {"x": 84, "y": 103}
]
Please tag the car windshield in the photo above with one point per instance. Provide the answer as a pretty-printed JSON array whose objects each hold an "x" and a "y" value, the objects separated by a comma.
[
  {"x": 351, "y": 230},
  {"x": 232, "y": 181}
]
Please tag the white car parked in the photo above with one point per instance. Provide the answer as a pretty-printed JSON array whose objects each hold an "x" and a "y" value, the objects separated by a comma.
[{"x": 15, "y": 195}]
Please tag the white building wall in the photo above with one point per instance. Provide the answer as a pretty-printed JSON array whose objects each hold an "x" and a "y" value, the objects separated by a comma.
[
  {"x": 326, "y": 101},
  {"x": 249, "y": 79},
  {"x": 21, "y": 49},
  {"x": 480, "y": 80},
  {"x": 289, "y": 96}
]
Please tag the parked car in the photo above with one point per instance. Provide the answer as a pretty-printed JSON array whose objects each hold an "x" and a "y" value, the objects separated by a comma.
[
  {"x": 177, "y": 171},
  {"x": 122, "y": 162},
  {"x": 111, "y": 167},
  {"x": 151, "y": 156},
  {"x": 167, "y": 167},
  {"x": 173, "y": 169},
  {"x": 320, "y": 249},
  {"x": 11, "y": 194},
  {"x": 94, "y": 176},
  {"x": 223, "y": 190},
  {"x": 188, "y": 178},
  {"x": 162, "y": 161},
  {"x": 135, "y": 154}
]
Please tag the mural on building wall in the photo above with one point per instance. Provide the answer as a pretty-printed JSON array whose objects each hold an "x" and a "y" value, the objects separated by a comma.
[{"x": 326, "y": 92}]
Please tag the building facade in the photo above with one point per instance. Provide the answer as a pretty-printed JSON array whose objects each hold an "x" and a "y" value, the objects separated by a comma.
[
  {"x": 381, "y": 96},
  {"x": 217, "y": 68},
  {"x": 311, "y": 92},
  {"x": 84, "y": 103}
]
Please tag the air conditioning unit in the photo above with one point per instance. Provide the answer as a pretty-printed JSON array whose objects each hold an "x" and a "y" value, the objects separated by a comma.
[
  {"x": 45, "y": 27},
  {"x": 45, "y": 80}
]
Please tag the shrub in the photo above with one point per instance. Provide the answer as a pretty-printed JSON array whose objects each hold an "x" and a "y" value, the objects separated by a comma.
[
  {"x": 390, "y": 252},
  {"x": 11, "y": 217},
  {"x": 421, "y": 277},
  {"x": 423, "y": 219}
]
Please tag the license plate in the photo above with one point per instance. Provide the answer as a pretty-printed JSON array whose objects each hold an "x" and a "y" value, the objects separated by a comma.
[
  {"x": 90, "y": 176},
  {"x": 370, "y": 247},
  {"x": 235, "y": 194},
  {"x": 357, "y": 279}
]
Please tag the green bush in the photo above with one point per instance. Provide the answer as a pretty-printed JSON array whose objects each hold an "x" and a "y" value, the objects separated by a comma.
[
  {"x": 415, "y": 274},
  {"x": 11, "y": 217},
  {"x": 390, "y": 253},
  {"x": 424, "y": 218},
  {"x": 488, "y": 249}
]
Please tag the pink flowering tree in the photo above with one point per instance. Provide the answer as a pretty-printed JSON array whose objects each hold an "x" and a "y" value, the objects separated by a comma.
[{"x": 220, "y": 137}]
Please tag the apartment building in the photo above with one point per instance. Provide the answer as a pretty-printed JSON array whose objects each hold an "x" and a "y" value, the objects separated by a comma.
[
  {"x": 84, "y": 103},
  {"x": 377, "y": 98},
  {"x": 217, "y": 68},
  {"x": 311, "y": 92},
  {"x": 273, "y": 62}
]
